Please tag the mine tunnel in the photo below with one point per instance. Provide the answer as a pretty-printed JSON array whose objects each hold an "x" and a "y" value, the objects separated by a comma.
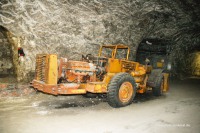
[
  {"x": 161, "y": 54},
  {"x": 8, "y": 74},
  {"x": 156, "y": 51},
  {"x": 103, "y": 66}
]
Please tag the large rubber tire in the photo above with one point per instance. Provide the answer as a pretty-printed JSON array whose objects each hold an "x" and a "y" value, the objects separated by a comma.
[
  {"x": 159, "y": 85},
  {"x": 121, "y": 90}
]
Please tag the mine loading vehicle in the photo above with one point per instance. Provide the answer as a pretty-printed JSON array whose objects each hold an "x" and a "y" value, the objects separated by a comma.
[{"x": 109, "y": 73}]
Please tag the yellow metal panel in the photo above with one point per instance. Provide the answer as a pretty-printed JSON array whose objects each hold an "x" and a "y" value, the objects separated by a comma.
[
  {"x": 96, "y": 87},
  {"x": 159, "y": 64},
  {"x": 114, "y": 66},
  {"x": 108, "y": 77},
  {"x": 52, "y": 69},
  {"x": 78, "y": 91},
  {"x": 166, "y": 82}
]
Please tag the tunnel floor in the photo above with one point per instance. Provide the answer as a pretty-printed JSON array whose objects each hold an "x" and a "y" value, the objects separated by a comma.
[{"x": 177, "y": 111}]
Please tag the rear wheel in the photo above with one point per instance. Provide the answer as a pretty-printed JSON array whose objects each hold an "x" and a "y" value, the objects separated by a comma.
[
  {"x": 121, "y": 90},
  {"x": 159, "y": 86}
]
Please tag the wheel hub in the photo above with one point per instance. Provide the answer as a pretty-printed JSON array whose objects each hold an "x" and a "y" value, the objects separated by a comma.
[{"x": 125, "y": 92}]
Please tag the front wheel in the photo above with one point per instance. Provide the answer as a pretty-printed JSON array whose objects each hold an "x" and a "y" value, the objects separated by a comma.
[{"x": 121, "y": 90}]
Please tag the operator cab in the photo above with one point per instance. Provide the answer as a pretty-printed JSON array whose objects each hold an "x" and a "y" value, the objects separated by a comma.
[
  {"x": 106, "y": 52},
  {"x": 114, "y": 51}
]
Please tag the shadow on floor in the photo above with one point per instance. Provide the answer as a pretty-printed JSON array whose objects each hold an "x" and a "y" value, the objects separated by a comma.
[{"x": 80, "y": 101}]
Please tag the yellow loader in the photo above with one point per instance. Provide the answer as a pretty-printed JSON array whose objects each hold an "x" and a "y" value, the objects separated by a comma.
[{"x": 110, "y": 72}]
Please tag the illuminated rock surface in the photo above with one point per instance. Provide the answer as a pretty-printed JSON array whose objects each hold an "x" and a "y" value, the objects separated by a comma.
[{"x": 74, "y": 27}]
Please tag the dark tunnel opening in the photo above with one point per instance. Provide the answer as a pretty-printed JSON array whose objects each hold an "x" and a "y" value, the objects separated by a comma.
[
  {"x": 156, "y": 51},
  {"x": 178, "y": 58},
  {"x": 7, "y": 68}
]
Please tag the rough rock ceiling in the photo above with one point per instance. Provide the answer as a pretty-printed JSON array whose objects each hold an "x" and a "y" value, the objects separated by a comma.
[{"x": 73, "y": 27}]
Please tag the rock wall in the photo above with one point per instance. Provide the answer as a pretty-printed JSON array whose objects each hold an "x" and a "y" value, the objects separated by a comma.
[
  {"x": 6, "y": 60},
  {"x": 73, "y": 27}
]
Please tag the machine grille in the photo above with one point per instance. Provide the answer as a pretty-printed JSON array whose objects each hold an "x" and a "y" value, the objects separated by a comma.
[
  {"x": 129, "y": 66},
  {"x": 41, "y": 67}
]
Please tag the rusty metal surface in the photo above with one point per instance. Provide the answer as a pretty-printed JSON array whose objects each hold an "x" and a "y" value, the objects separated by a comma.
[{"x": 70, "y": 88}]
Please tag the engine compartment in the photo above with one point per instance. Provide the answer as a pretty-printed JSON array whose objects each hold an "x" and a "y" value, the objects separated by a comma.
[{"x": 89, "y": 69}]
